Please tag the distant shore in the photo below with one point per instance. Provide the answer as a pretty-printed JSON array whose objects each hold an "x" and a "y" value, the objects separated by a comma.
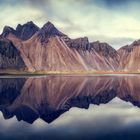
[{"x": 14, "y": 72}]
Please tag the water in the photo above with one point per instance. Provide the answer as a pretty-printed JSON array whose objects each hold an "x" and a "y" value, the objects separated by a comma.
[{"x": 70, "y": 107}]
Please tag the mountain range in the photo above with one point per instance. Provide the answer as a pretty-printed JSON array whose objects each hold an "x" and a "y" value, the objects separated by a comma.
[{"x": 29, "y": 48}]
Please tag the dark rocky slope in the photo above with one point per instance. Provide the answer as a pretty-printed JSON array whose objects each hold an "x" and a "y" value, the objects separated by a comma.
[{"x": 9, "y": 56}]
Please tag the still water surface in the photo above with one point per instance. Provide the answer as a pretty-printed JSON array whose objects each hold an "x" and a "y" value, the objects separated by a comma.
[{"x": 70, "y": 107}]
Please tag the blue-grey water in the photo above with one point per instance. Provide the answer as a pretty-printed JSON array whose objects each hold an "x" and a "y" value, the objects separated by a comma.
[{"x": 70, "y": 107}]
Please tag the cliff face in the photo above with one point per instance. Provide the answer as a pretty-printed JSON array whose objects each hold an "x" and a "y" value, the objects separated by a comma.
[
  {"x": 48, "y": 49},
  {"x": 79, "y": 43},
  {"x": 97, "y": 55},
  {"x": 108, "y": 53},
  {"x": 9, "y": 56},
  {"x": 130, "y": 57}
]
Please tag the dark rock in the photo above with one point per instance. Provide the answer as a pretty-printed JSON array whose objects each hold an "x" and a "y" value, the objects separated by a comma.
[
  {"x": 47, "y": 31},
  {"x": 26, "y": 114},
  {"x": 136, "y": 43},
  {"x": 79, "y": 43},
  {"x": 10, "y": 89},
  {"x": 9, "y": 56},
  {"x": 83, "y": 43},
  {"x": 104, "y": 49},
  {"x": 7, "y": 30},
  {"x": 26, "y": 31},
  {"x": 23, "y": 32}
]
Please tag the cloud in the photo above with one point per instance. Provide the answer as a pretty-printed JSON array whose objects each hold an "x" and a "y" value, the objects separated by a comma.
[
  {"x": 105, "y": 20},
  {"x": 24, "y": 14}
]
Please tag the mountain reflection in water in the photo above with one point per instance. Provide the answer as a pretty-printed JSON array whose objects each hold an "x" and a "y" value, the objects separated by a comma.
[{"x": 47, "y": 98}]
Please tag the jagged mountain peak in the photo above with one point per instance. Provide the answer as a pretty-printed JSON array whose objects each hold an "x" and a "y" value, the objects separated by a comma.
[
  {"x": 23, "y": 32},
  {"x": 81, "y": 39},
  {"x": 136, "y": 43},
  {"x": 27, "y": 25},
  {"x": 78, "y": 43},
  {"x": 130, "y": 47},
  {"x": 101, "y": 43},
  {"x": 130, "y": 57},
  {"x": 104, "y": 48},
  {"x": 49, "y": 30},
  {"x": 26, "y": 30},
  {"x": 49, "y": 26},
  {"x": 7, "y": 30}
]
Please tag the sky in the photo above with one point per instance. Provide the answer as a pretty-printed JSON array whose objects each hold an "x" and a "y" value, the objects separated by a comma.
[{"x": 116, "y": 22}]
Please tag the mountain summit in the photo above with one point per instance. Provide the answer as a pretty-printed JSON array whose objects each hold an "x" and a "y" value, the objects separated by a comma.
[
  {"x": 49, "y": 30},
  {"x": 26, "y": 31},
  {"x": 23, "y": 32},
  {"x": 7, "y": 30}
]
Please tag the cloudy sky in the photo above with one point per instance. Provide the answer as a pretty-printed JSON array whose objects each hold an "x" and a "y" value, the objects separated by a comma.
[{"x": 114, "y": 21}]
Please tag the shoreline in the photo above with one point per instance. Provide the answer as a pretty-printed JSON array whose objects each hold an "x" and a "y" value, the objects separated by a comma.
[{"x": 22, "y": 73}]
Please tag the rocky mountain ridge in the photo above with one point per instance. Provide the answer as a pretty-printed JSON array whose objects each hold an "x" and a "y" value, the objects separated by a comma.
[
  {"x": 22, "y": 32},
  {"x": 48, "y": 49}
]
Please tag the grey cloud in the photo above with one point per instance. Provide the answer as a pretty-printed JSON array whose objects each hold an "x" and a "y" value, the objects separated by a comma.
[
  {"x": 74, "y": 29},
  {"x": 77, "y": 18},
  {"x": 121, "y": 41},
  {"x": 39, "y": 3}
]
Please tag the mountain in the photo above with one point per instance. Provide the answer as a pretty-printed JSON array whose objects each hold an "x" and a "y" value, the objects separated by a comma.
[
  {"x": 47, "y": 31},
  {"x": 109, "y": 53},
  {"x": 23, "y": 32},
  {"x": 48, "y": 50},
  {"x": 97, "y": 55},
  {"x": 130, "y": 57},
  {"x": 9, "y": 56}
]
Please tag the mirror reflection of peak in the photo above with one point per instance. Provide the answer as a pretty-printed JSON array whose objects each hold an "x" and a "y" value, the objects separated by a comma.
[{"x": 49, "y": 97}]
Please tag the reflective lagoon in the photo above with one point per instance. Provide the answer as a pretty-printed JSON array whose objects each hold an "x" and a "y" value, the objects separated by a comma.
[{"x": 101, "y": 107}]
